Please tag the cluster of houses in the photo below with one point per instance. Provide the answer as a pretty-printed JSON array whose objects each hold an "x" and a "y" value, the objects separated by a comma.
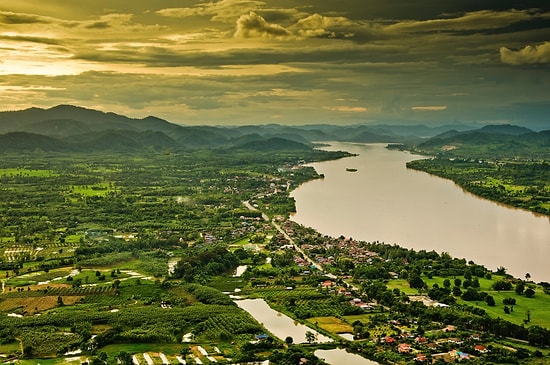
[
  {"x": 250, "y": 225},
  {"x": 425, "y": 350},
  {"x": 344, "y": 246}
]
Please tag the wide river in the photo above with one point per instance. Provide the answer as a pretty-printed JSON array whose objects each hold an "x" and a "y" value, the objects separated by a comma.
[{"x": 384, "y": 201}]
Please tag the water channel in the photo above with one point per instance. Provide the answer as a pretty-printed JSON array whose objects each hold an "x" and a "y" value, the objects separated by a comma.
[
  {"x": 384, "y": 201},
  {"x": 342, "y": 357},
  {"x": 277, "y": 323}
]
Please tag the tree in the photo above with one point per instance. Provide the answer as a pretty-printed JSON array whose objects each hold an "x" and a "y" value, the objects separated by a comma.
[
  {"x": 520, "y": 287},
  {"x": 310, "y": 337},
  {"x": 501, "y": 270},
  {"x": 490, "y": 300},
  {"x": 124, "y": 358},
  {"x": 527, "y": 277},
  {"x": 289, "y": 340},
  {"x": 28, "y": 351},
  {"x": 502, "y": 285},
  {"x": 416, "y": 282},
  {"x": 60, "y": 301},
  {"x": 529, "y": 293},
  {"x": 447, "y": 283}
]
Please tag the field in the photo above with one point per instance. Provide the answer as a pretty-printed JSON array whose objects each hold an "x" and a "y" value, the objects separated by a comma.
[
  {"x": 538, "y": 306},
  {"x": 331, "y": 324},
  {"x": 22, "y": 172},
  {"x": 33, "y": 305}
]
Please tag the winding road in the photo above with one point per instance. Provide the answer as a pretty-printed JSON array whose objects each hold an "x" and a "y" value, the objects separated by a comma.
[{"x": 288, "y": 238}]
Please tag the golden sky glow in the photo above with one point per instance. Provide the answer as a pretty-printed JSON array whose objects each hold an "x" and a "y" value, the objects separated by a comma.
[{"x": 249, "y": 61}]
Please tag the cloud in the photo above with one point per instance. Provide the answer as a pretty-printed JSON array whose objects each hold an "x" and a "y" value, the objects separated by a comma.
[
  {"x": 223, "y": 10},
  {"x": 478, "y": 20},
  {"x": 254, "y": 26},
  {"x": 31, "y": 39},
  {"x": 347, "y": 109},
  {"x": 430, "y": 108},
  {"x": 527, "y": 55},
  {"x": 182, "y": 12},
  {"x": 317, "y": 25},
  {"x": 17, "y": 18}
]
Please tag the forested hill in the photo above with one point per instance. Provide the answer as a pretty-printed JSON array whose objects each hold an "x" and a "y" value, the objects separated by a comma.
[
  {"x": 67, "y": 128},
  {"x": 76, "y": 129},
  {"x": 495, "y": 141}
]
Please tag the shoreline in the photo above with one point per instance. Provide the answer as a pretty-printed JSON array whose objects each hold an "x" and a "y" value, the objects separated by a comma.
[{"x": 341, "y": 229}]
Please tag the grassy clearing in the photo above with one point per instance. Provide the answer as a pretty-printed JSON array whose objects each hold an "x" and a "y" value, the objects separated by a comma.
[
  {"x": 375, "y": 331},
  {"x": 538, "y": 307},
  {"x": 227, "y": 284},
  {"x": 92, "y": 277},
  {"x": 100, "y": 189},
  {"x": 9, "y": 348},
  {"x": 32, "y": 305},
  {"x": 27, "y": 173},
  {"x": 331, "y": 324},
  {"x": 170, "y": 349},
  {"x": 53, "y": 361}
]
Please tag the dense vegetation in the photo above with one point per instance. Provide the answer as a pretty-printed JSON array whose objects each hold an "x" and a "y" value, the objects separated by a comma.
[
  {"x": 522, "y": 184},
  {"x": 115, "y": 256}
]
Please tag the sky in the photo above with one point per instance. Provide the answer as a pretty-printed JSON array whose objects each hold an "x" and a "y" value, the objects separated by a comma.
[{"x": 236, "y": 62}]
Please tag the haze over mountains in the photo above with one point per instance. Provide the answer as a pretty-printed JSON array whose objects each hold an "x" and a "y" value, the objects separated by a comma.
[{"x": 67, "y": 128}]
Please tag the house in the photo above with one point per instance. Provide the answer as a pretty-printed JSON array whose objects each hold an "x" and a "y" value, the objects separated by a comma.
[
  {"x": 421, "y": 358},
  {"x": 481, "y": 349},
  {"x": 449, "y": 328},
  {"x": 476, "y": 337},
  {"x": 389, "y": 340},
  {"x": 328, "y": 284},
  {"x": 456, "y": 341},
  {"x": 404, "y": 348},
  {"x": 421, "y": 340}
]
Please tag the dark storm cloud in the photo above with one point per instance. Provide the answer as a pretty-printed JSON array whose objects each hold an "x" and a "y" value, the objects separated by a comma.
[
  {"x": 98, "y": 25},
  {"x": 231, "y": 61},
  {"x": 31, "y": 39},
  {"x": 14, "y": 18}
]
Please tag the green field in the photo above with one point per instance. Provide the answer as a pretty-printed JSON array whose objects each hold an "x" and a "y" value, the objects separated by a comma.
[
  {"x": 538, "y": 306},
  {"x": 22, "y": 172}
]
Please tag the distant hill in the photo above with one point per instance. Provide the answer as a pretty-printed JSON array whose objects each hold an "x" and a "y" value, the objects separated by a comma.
[
  {"x": 30, "y": 142},
  {"x": 73, "y": 128},
  {"x": 496, "y": 140},
  {"x": 509, "y": 129},
  {"x": 273, "y": 144}
]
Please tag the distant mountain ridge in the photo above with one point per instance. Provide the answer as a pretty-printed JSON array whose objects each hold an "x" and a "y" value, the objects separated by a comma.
[
  {"x": 495, "y": 140},
  {"x": 67, "y": 128}
]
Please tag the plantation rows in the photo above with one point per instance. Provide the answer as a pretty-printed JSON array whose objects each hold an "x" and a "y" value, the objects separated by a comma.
[
  {"x": 231, "y": 324},
  {"x": 307, "y": 302},
  {"x": 25, "y": 252},
  {"x": 63, "y": 291},
  {"x": 283, "y": 296}
]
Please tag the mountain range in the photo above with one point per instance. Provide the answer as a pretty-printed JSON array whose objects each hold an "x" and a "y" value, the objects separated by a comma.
[{"x": 67, "y": 128}]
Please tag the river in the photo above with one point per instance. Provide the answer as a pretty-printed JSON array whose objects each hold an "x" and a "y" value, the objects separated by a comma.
[
  {"x": 277, "y": 323},
  {"x": 384, "y": 201}
]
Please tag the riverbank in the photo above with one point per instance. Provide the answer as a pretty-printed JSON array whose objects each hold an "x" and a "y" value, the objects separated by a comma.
[{"x": 384, "y": 201}]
